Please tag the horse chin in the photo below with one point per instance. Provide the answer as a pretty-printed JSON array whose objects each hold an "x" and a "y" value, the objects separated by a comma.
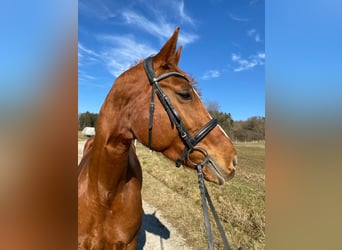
[
  {"x": 219, "y": 180},
  {"x": 213, "y": 173}
]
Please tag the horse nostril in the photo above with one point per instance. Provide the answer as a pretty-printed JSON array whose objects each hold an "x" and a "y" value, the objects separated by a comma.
[{"x": 235, "y": 161}]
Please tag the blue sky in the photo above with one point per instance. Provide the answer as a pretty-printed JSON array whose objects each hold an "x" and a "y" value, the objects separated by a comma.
[{"x": 223, "y": 47}]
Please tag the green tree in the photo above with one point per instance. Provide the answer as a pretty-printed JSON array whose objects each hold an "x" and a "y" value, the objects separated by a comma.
[
  {"x": 225, "y": 120},
  {"x": 250, "y": 130},
  {"x": 87, "y": 119}
]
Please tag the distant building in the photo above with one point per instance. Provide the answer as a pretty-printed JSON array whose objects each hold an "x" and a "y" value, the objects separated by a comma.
[{"x": 88, "y": 131}]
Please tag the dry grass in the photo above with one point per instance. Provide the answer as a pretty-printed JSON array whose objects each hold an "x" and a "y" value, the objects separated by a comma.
[
  {"x": 81, "y": 136},
  {"x": 240, "y": 202}
]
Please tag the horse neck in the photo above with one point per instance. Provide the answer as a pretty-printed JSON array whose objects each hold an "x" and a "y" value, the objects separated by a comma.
[{"x": 109, "y": 162}]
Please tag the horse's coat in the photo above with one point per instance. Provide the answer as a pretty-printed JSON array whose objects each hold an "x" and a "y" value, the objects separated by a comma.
[{"x": 110, "y": 175}]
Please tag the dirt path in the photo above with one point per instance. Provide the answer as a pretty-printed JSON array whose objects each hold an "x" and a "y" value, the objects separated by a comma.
[{"x": 156, "y": 232}]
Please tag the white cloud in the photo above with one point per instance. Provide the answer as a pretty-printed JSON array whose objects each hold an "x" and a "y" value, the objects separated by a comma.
[
  {"x": 235, "y": 57},
  {"x": 254, "y": 34},
  {"x": 261, "y": 55},
  {"x": 98, "y": 9},
  {"x": 248, "y": 63},
  {"x": 88, "y": 79},
  {"x": 123, "y": 52},
  {"x": 251, "y": 32},
  {"x": 183, "y": 15},
  {"x": 118, "y": 53},
  {"x": 210, "y": 74},
  {"x": 86, "y": 50},
  {"x": 160, "y": 28},
  {"x": 257, "y": 38},
  {"x": 86, "y": 55},
  {"x": 83, "y": 76},
  {"x": 238, "y": 19}
]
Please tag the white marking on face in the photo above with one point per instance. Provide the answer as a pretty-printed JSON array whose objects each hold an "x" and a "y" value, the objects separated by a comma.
[
  {"x": 196, "y": 93},
  {"x": 224, "y": 132}
]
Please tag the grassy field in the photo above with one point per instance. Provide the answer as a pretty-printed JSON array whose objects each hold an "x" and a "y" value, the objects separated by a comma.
[
  {"x": 81, "y": 136},
  {"x": 240, "y": 202}
]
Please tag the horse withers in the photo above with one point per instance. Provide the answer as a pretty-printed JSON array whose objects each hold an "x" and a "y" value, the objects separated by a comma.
[{"x": 110, "y": 175}]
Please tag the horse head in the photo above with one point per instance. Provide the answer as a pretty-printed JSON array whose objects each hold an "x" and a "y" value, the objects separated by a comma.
[{"x": 138, "y": 86}]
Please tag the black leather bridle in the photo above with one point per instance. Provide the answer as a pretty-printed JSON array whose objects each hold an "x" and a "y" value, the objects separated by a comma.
[{"x": 189, "y": 141}]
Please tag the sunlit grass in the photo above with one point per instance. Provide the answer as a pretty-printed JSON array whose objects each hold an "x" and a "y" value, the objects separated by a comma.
[
  {"x": 240, "y": 202},
  {"x": 81, "y": 136}
]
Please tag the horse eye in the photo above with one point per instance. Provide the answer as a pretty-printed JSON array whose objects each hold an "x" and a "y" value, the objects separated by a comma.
[{"x": 185, "y": 95}]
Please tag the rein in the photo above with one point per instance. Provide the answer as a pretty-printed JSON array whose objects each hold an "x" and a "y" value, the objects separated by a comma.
[
  {"x": 190, "y": 143},
  {"x": 205, "y": 198}
]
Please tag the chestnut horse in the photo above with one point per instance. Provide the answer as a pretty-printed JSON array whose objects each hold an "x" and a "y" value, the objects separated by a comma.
[{"x": 110, "y": 175}]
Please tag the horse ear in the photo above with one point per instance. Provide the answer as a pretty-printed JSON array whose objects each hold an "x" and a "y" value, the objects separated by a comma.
[
  {"x": 175, "y": 58},
  {"x": 167, "y": 53}
]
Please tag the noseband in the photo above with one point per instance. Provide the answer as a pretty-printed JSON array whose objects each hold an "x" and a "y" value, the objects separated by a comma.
[{"x": 189, "y": 141}]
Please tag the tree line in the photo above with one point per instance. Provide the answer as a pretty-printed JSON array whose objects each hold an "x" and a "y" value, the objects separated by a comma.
[
  {"x": 87, "y": 119},
  {"x": 252, "y": 129}
]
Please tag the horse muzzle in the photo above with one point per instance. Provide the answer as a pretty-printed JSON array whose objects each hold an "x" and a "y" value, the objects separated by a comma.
[{"x": 212, "y": 172}]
